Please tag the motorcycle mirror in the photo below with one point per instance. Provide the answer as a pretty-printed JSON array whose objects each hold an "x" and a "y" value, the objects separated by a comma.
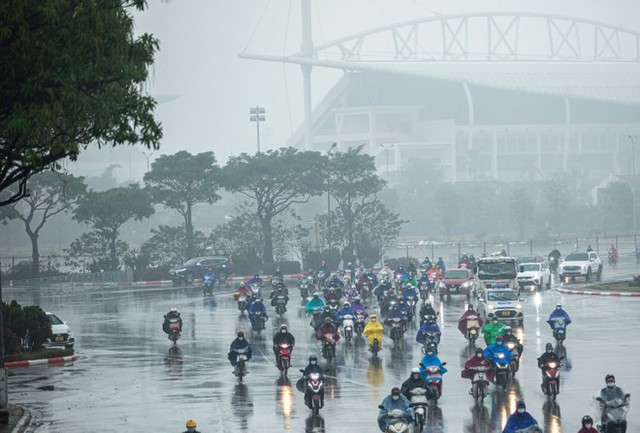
[
  {"x": 480, "y": 299},
  {"x": 301, "y": 371},
  {"x": 561, "y": 358},
  {"x": 380, "y": 407},
  {"x": 521, "y": 299},
  {"x": 444, "y": 363}
]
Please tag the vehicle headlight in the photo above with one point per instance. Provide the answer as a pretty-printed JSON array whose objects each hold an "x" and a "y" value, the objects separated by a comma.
[
  {"x": 491, "y": 307},
  {"x": 519, "y": 306}
]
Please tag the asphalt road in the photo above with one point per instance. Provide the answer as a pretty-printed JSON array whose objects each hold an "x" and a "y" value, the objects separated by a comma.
[{"x": 129, "y": 378}]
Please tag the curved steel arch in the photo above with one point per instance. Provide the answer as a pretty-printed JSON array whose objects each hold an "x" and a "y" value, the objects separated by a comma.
[{"x": 446, "y": 38}]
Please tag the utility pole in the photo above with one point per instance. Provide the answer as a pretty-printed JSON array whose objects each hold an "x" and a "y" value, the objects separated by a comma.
[
  {"x": 633, "y": 179},
  {"x": 4, "y": 385},
  {"x": 257, "y": 115},
  {"x": 306, "y": 50},
  {"x": 333, "y": 146}
]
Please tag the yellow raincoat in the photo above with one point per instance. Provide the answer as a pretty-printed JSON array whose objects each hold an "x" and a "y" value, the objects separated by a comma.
[{"x": 373, "y": 331}]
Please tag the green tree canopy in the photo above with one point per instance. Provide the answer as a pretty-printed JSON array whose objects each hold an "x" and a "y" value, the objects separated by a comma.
[
  {"x": 168, "y": 246},
  {"x": 108, "y": 210},
  {"x": 351, "y": 177},
  {"x": 93, "y": 251},
  {"x": 182, "y": 180},
  {"x": 616, "y": 204},
  {"x": 275, "y": 180},
  {"x": 50, "y": 193},
  {"x": 71, "y": 74}
]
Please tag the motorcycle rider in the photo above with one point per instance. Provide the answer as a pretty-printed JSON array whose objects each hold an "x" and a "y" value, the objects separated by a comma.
[
  {"x": 589, "y": 249},
  {"x": 430, "y": 325},
  {"x": 587, "y": 425},
  {"x": 332, "y": 294},
  {"x": 280, "y": 290},
  {"x": 492, "y": 330},
  {"x": 415, "y": 381},
  {"x": 510, "y": 337},
  {"x": 554, "y": 254},
  {"x": 345, "y": 310},
  {"x": 427, "y": 309},
  {"x": 278, "y": 274},
  {"x": 191, "y": 427},
  {"x": 255, "y": 280},
  {"x": 613, "y": 252},
  {"x": 430, "y": 359},
  {"x": 548, "y": 356},
  {"x": 255, "y": 307},
  {"x": 411, "y": 268},
  {"x": 242, "y": 290},
  {"x": 209, "y": 275},
  {"x": 558, "y": 313},
  {"x": 492, "y": 352},
  {"x": 323, "y": 267},
  {"x": 394, "y": 401},
  {"x": 314, "y": 304},
  {"x": 440, "y": 265},
  {"x": 434, "y": 273},
  {"x": 462, "y": 323},
  {"x": 410, "y": 289},
  {"x": 311, "y": 368},
  {"x": 477, "y": 360},
  {"x": 239, "y": 343},
  {"x": 426, "y": 263},
  {"x": 360, "y": 272},
  {"x": 611, "y": 392},
  {"x": 373, "y": 331},
  {"x": 327, "y": 327},
  {"x": 358, "y": 307},
  {"x": 520, "y": 419},
  {"x": 395, "y": 313},
  {"x": 284, "y": 336},
  {"x": 327, "y": 313},
  {"x": 336, "y": 282},
  {"x": 172, "y": 314}
]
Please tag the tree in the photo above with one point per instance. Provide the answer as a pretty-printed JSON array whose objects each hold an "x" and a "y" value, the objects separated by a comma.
[
  {"x": 71, "y": 74},
  {"x": 108, "y": 210},
  {"x": 447, "y": 208},
  {"x": 181, "y": 181},
  {"x": 351, "y": 176},
  {"x": 168, "y": 245},
  {"x": 49, "y": 194},
  {"x": 521, "y": 208},
  {"x": 559, "y": 198},
  {"x": 616, "y": 204},
  {"x": 96, "y": 246},
  {"x": 275, "y": 180}
]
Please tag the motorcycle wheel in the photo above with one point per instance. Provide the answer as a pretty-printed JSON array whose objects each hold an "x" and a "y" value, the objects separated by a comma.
[
  {"x": 421, "y": 421},
  {"x": 554, "y": 391},
  {"x": 316, "y": 407},
  {"x": 285, "y": 368},
  {"x": 241, "y": 370}
]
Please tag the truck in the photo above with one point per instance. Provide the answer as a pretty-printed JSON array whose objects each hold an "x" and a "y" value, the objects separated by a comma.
[{"x": 496, "y": 271}]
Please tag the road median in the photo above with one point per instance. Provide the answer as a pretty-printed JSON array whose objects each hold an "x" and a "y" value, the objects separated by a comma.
[{"x": 624, "y": 288}]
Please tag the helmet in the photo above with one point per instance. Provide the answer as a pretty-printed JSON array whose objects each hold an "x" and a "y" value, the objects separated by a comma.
[
  {"x": 470, "y": 308},
  {"x": 356, "y": 299},
  {"x": 209, "y": 270},
  {"x": 548, "y": 347},
  {"x": 499, "y": 339},
  {"x": 313, "y": 358},
  {"x": 328, "y": 320},
  {"x": 521, "y": 405},
  {"x": 479, "y": 351},
  {"x": 242, "y": 284},
  {"x": 174, "y": 310},
  {"x": 494, "y": 319},
  {"x": 609, "y": 376},
  {"x": 316, "y": 294},
  {"x": 191, "y": 424},
  {"x": 587, "y": 420},
  {"x": 428, "y": 302},
  {"x": 240, "y": 334},
  {"x": 395, "y": 391},
  {"x": 346, "y": 305},
  {"x": 415, "y": 370},
  {"x": 558, "y": 306},
  {"x": 430, "y": 348},
  {"x": 508, "y": 330},
  {"x": 283, "y": 328}
]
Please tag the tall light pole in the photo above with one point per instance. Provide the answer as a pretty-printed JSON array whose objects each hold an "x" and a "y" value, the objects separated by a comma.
[
  {"x": 633, "y": 173},
  {"x": 257, "y": 115},
  {"x": 386, "y": 154},
  {"x": 333, "y": 146}
]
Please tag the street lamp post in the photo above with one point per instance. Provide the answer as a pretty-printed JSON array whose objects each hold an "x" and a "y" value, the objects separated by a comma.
[
  {"x": 333, "y": 146},
  {"x": 633, "y": 174},
  {"x": 257, "y": 115},
  {"x": 386, "y": 154}
]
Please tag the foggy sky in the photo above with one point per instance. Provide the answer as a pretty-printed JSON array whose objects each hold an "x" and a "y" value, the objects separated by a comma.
[{"x": 198, "y": 65}]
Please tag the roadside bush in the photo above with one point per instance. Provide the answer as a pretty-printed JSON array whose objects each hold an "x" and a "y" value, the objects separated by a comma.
[
  {"x": 38, "y": 324},
  {"x": 24, "y": 270},
  {"x": 153, "y": 274},
  {"x": 313, "y": 258},
  {"x": 17, "y": 320},
  {"x": 402, "y": 261}
]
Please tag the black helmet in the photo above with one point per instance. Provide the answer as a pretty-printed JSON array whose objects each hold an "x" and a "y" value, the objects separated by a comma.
[
  {"x": 587, "y": 420},
  {"x": 548, "y": 347},
  {"x": 240, "y": 334},
  {"x": 470, "y": 308},
  {"x": 508, "y": 330},
  {"x": 313, "y": 358},
  {"x": 479, "y": 351},
  {"x": 430, "y": 348},
  {"x": 256, "y": 276},
  {"x": 395, "y": 391},
  {"x": 609, "y": 376}
]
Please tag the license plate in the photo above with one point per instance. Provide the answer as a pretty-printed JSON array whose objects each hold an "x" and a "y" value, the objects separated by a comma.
[
  {"x": 242, "y": 358},
  {"x": 504, "y": 314},
  {"x": 59, "y": 338}
]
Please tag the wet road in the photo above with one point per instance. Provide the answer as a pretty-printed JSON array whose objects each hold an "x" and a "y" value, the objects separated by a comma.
[{"x": 129, "y": 378}]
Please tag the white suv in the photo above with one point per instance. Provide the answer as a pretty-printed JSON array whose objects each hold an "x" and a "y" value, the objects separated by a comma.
[
  {"x": 534, "y": 275},
  {"x": 61, "y": 335},
  {"x": 580, "y": 265}
]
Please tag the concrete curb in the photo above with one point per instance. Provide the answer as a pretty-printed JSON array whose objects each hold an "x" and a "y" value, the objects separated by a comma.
[
  {"x": 23, "y": 423},
  {"x": 47, "y": 361},
  {"x": 598, "y": 293},
  {"x": 165, "y": 283}
]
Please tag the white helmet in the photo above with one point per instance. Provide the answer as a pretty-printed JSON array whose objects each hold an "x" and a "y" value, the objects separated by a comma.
[
  {"x": 415, "y": 370},
  {"x": 174, "y": 309}
]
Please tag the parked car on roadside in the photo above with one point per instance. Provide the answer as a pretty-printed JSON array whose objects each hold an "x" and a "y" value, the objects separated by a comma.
[
  {"x": 197, "y": 266},
  {"x": 61, "y": 335}
]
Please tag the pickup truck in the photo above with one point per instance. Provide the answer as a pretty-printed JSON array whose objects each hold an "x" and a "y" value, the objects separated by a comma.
[{"x": 580, "y": 265}]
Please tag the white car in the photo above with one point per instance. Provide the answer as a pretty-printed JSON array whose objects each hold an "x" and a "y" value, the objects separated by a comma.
[
  {"x": 534, "y": 276},
  {"x": 576, "y": 264},
  {"x": 504, "y": 304},
  {"x": 61, "y": 337}
]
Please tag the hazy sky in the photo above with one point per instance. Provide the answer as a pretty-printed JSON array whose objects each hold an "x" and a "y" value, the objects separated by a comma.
[{"x": 198, "y": 64}]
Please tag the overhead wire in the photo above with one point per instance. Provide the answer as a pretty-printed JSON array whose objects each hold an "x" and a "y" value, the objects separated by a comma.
[
  {"x": 284, "y": 72},
  {"x": 255, "y": 30}
]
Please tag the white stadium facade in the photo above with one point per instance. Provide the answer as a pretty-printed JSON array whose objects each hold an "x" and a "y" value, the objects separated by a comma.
[{"x": 534, "y": 95}]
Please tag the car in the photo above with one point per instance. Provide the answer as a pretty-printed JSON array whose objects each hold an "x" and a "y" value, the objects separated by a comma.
[
  {"x": 457, "y": 282},
  {"x": 578, "y": 264},
  {"x": 196, "y": 268},
  {"x": 534, "y": 276},
  {"x": 504, "y": 304},
  {"x": 61, "y": 335},
  {"x": 530, "y": 259}
]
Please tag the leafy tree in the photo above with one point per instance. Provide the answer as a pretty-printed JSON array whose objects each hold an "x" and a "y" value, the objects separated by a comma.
[
  {"x": 558, "y": 196},
  {"x": 275, "y": 180},
  {"x": 71, "y": 74},
  {"x": 351, "y": 177},
  {"x": 50, "y": 193},
  {"x": 181, "y": 181},
  {"x": 168, "y": 245},
  {"x": 616, "y": 204},
  {"x": 521, "y": 208},
  {"x": 96, "y": 246},
  {"x": 108, "y": 210}
]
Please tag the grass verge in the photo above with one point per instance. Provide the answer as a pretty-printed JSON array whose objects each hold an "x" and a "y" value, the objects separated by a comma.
[
  {"x": 39, "y": 354},
  {"x": 621, "y": 286}
]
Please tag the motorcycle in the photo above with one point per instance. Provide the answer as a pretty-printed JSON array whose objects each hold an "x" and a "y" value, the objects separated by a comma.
[
  {"x": 256, "y": 291},
  {"x": 614, "y": 414},
  {"x": 473, "y": 329},
  {"x": 281, "y": 305},
  {"x": 314, "y": 392},
  {"x": 329, "y": 347},
  {"x": 424, "y": 288},
  {"x": 364, "y": 288},
  {"x": 515, "y": 357},
  {"x": 431, "y": 339},
  {"x": 241, "y": 363},
  {"x": 397, "y": 331},
  {"x": 207, "y": 286},
  {"x": 347, "y": 327},
  {"x": 174, "y": 329},
  {"x": 333, "y": 305},
  {"x": 242, "y": 303},
  {"x": 315, "y": 314},
  {"x": 374, "y": 347},
  {"x": 284, "y": 357},
  {"x": 553, "y": 264},
  {"x": 479, "y": 384},
  {"x": 503, "y": 370},
  {"x": 434, "y": 377},
  {"x": 419, "y": 404},
  {"x": 306, "y": 286},
  {"x": 359, "y": 324},
  {"x": 613, "y": 258},
  {"x": 411, "y": 304},
  {"x": 551, "y": 379},
  {"x": 258, "y": 322},
  {"x": 396, "y": 422},
  {"x": 559, "y": 329}
]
